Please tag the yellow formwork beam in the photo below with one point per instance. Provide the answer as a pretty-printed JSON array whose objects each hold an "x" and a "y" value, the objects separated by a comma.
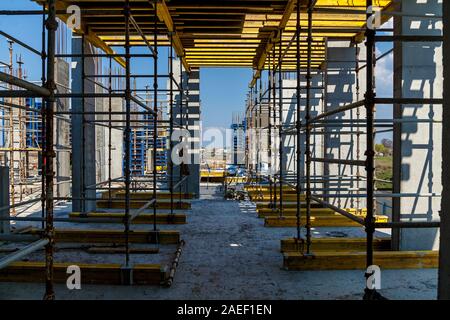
[
  {"x": 357, "y": 260},
  {"x": 315, "y": 212},
  {"x": 145, "y": 218},
  {"x": 161, "y": 218},
  {"x": 335, "y": 245},
  {"x": 89, "y": 36},
  {"x": 266, "y": 197},
  {"x": 111, "y": 274},
  {"x": 164, "y": 15},
  {"x": 262, "y": 56},
  {"x": 232, "y": 27},
  {"x": 286, "y": 205},
  {"x": 112, "y": 236},
  {"x": 135, "y": 204},
  {"x": 316, "y": 221},
  {"x": 118, "y": 194}
]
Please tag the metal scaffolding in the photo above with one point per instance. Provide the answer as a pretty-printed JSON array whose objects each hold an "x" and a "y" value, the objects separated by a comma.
[
  {"x": 137, "y": 115},
  {"x": 295, "y": 43},
  {"x": 308, "y": 126}
]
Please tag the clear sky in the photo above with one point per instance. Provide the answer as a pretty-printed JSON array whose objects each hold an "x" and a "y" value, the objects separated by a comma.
[{"x": 223, "y": 90}]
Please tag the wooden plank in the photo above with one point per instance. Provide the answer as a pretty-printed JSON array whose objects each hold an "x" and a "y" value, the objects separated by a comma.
[
  {"x": 286, "y": 205},
  {"x": 143, "y": 195},
  {"x": 142, "y": 218},
  {"x": 335, "y": 245},
  {"x": 357, "y": 260},
  {"x": 315, "y": 212},
  {"x": 105, "y": 204},
  {"x": 326, "y": 221},
  {"x": 164, "y": 16},
  {"x": 113, "y": 236},
  {"x": 262, "y": 56},
  {"x": 122, "y": 250},
  {"x": 148, "y": 274}
]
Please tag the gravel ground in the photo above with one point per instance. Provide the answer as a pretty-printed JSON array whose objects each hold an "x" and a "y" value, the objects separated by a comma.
[{"x": 230, "y": 255}]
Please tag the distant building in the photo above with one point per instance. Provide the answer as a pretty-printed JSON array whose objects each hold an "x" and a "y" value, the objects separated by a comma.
[{"x": 238, "y": 148}]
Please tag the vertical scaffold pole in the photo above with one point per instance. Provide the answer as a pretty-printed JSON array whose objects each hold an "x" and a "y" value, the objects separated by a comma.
[
  {"x": 280, "y": 115},
  {"x": 308, "y": 128},
  {"x": 269, "y": 145},
  {"x": 298, "y": 123},
  {"x": 257, "y": 128},
  {"x": 171, "y": 120},
  {"x": 274, "y": 119},
  {"x": 83, "y": 125},
  {"x": 51, "y": 26},
  {"x": 127, "y": 131},
  {"x": 370, "y": 168},
  {"x": 43, "y": 121},
  {"x": 181, "y": 125},
  {"x": 155, "y": 113},
  {"x": 110, "y": 131}
]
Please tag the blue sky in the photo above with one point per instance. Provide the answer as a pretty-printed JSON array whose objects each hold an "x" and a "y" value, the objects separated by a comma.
[{"x": 223, "y": 90}]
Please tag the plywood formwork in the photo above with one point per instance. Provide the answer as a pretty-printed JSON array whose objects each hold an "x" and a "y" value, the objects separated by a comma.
[{"x": 227, "y": 33}]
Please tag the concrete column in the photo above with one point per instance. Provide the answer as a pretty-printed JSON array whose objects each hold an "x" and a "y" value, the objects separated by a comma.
[
  {"x": 444, "y": 253},
  {"x": 191, "y": 82},
  {"x": 341, "y": 89},
  {"x": 194, "y": 130},
  {"x": 417, "y": 148},
  {"x": 289, "y": 118},
  {"x": 117, "y": 105},
  {"x": 4, "y": 199},
  {"x": 62, "y": 132},
  {"x": 102, "y": 139},
  {"x": 77, "y": 127}
]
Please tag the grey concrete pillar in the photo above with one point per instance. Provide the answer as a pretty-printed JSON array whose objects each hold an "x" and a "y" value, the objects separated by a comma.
[
  {"x": 194, "y": 130},
  {"x": 4, "y": 199},
  {"x": 192, "y": 108},
  {"x": 417, "y": 148},
  {"x": 289, "y": 118},
  {"x": 89, "y": 131},
  {"x": 341, "y": 89},
  {"x": 62, "y": 132},
  {"x": 444, "y": 253}
]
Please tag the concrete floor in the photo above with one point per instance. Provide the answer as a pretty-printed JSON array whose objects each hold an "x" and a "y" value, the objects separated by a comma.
[{"x": 230, "y": 255}]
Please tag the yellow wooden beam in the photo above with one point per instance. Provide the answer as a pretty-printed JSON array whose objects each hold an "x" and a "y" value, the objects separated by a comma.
[
  {"x": 89, "y": 36},
  {"x": 164, "y": 16},
  {"x": 148, "y": 274},
  {"x": 261, "y": 60},
  {"x": 335, "y": 245},
  {"x": 116, "y": 217},
  {"x": 112, "y": 236},
  {"x": 357, "y": 260},
  {"x": 135, "y": 204},
  {"x": 316, "y": 221}
]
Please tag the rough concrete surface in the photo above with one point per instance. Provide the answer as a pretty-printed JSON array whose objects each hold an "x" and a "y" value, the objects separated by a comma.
[{"x": 230, "y": 255}]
